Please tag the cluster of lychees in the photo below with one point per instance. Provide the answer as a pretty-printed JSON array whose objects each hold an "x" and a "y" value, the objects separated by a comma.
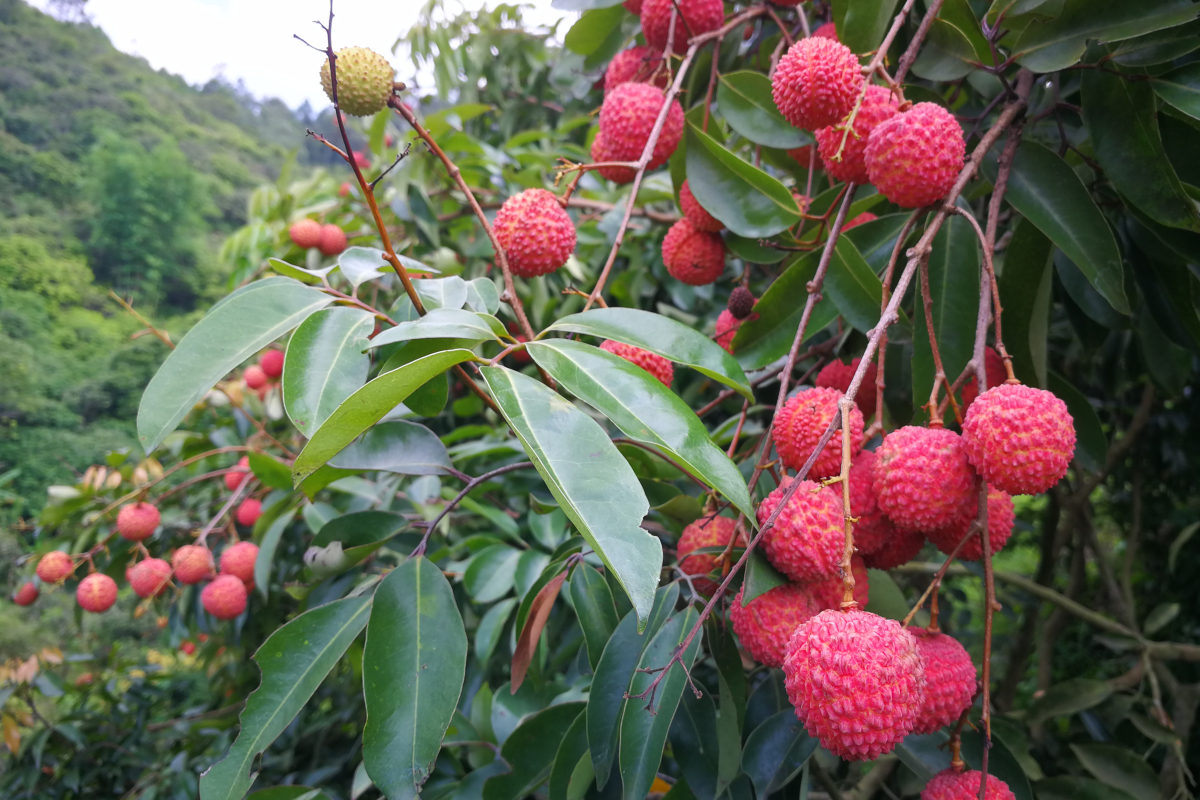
[
  {"x": 306, "y": 233},
  {"x": 269, "y": 369}
]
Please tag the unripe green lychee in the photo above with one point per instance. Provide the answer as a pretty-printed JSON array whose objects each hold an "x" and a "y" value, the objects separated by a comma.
[{"x": 364, "y": 81}]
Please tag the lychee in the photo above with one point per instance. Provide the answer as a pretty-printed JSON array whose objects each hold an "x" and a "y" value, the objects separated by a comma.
[
  {"x": 238, "y": 560},
  {"x": 993, "y": 366},
  {"x": 765, "y": 625},
  {"x": 272, "y": 363},
  {"x": 150, "y": 577},
  {"x": 856, "y": 681},
  {"x": 361, "y": 159},
  {"x": 55, "y": 566},
  {"x": 333, "y": 240},
  {"x": 816, "y": 83},
  {"x": 691, "y": 255},
  {"x": 192, "y": 563},
  {"x": 694, "y": 18},
  {"x": 951, "y": 785},
  {"x": 873, "y": 528},
  {"x": 364, "y": 81},
  {"x": 741, "y": 302},
  {"x": 800, "y": 425},
  {"x": 808, "y": 538},
  {"x": 949, "y": 680},
  {"x": 861, "y": 219},
  {"x": 234, "y": 479},
  {"x": 254, "y": 377},
  {"x": 837, "y": 375},
  {"x": 26, "y": 594},
  {"x": 96, "y": 593},
  {"x": 343, "y": 190},
  {"x": 249, "y": 511},
  {"x": 633, "y": 7},
  {"x": 899, "y": 548},
  {"x": 224, "y": 597},
  {"x": 914, "y": 157},
  {"x": 878, "y": 105},
  {"x": 137, "y": 521},
  {"x": 655, "y": 364},
  {"x": 704, "y": 532},
  {"x": 627, "y": 118},
  {"x": 922, "y": 479},
  {"x": 1020, "y": 439},
  {"x": 727, "y": 328},
  {"x": 536, "y": 233},
  {"x": 187, "y": 648},
  {"x": 601, "y": 153},
  {"x": 826, "y": 31},
  {"x": 635, "y": 65},
  {"x": 305, "y": 233},
  {"x": 1000, "y": 527},
  {"x": 696, "y": 214},
  {"x": 828, "y": 593}
]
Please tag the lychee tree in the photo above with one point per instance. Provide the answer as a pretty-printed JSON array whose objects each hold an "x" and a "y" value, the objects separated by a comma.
[{"x": 675, "y": 448}]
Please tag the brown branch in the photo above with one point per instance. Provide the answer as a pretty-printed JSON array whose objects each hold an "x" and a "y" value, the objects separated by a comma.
[
  {"x": 910, "y": 55},
  {"x": 158, "y": 333}
]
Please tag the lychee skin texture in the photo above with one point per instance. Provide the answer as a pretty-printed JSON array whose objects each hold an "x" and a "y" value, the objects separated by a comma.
[
  {"x": 993, "y": 366},
  {"x": 536, "y": 233},
  {"x": 635, "y": 65},
  {"x": 1000, "y": 527},
  {"x": 923, "y": 480},
  {"x": 655, "y": 364},
  {"x": 272, "y": 363},
  {"x": 826, "y": 31},
  {"x": 192, "y": 563},
  {"x": 878, "y": 106},
  {"x": 701, "y": 220},
  {"x": 633, "y": 7},
  {"x": 727, "y": 328},
  {"x": 807, "y": 539},
  {"x": 137, "y": 521},
  {"x": 305, "y": 233},
  {"x": 914, "y": 158},
  {"x": 799, "y": 427},
  {"x": 249, "y": 511},
  {"x": 704, "y": 532},
  {"x": 150, "y": 577},
  {"x": 856, "y": 681},
  {"x": 951, "y": 785},
  {"x": 861, "y": 219},
  {"x": 949, "y": 680},
  {"x": 601, "y": 153},
  {"x": 830, "y": 592},
  {"x": 238, "y": 560},
  {"x": 693, "y": 256},
  {"x": 873, "y": 529},
  {"x": 333, "y": 240},
  {"x": 741, "y": 302},
  {"x": 364, "y": 81},
  {"x": 899, "y": 548},
  {"x": 254, "y": 377},
  {"x": 26, "y": 595},
  {"x": 627, "y": 117},
  {"x": 766, "y": 624},
  {"x": 225, "y": 597},
  {"x": 55, "y": 566},
  {"x": 234, "y": 479},
  {"x": 697, "y": 17},
  {"x": 838, "y": 374},
  {"x": 96, "y": 593},
  {"x": 1020, "y": 439},
  {"x": 817, "y": 83}
]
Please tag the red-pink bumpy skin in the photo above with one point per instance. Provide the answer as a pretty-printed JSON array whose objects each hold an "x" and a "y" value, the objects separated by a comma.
[
  {"x": 699, "y": 16},
  {"x": 856, "y": 681},
  {"x": 826, "y": 31},
  {"x": 704, "y": 532},
  {"x": 949, "y": 680},
  {"x": 899, "y": 548},
  {"x": 766, "y": 624},
  {"x": 635, "y": 65},
  {"x": 536, "y": 233},
  {"x": 55, "y": 566},
  {"x": 829, "y": 593},
  {"x": 602, "y": 153},
  {"x": 254, "y": 376},
  {"x": 305, "y": 233},
  {"x": 137, "y": 521},
  {"x": 26, "y": 595},
  {"x": 915, "y": 157},
  {"x": 993, "y": 366},
  {"x": 808, "y": 537},
  {"x": 150, "y": 577},
  {"x": 192, "y": 563},
  {"x": 333, "y": 240},
  {"x": 727, "y": 328},
  {"x": 225, "y": 597},
  {"x": 878, "y": 105},
  {"x": 837, "y": 375},
  {"x": 234, "y": 479},
  {"x": 633, "y": 7},
  {"x": 249, "y": 511},
  {"x": 873, "y": 528},
  {"x": 627, "y": 117},
  {"x": 951, "y": 785},
  {"x": 272, "y": 363},
  {"x": 238, "y": 560},
  {"x": 1020, "y": 439},
  {"x": 1000, "y": 526},
  {"x": 701, "y": 220},
  {"x": 816, "y": 83},
  {"x": 693, "y": 256},
  {"x": 96, "y": 593},
  {"x": 653, "y": 363},
  {"x": 923, "y": 479},
  {"x": 799, "y": 426}
]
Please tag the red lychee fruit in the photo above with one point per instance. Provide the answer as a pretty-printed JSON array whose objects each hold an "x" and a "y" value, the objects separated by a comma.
[
  {"x": 691, "y": 255},
  {"x": 96, "y": 593},
  {"x": 633, "y": 7},
  {"x": 856, "y": 681},
  {"x": 878, "y": 105},
  {"x": 655, "y": 364},
  {"x": 55, "y": 566},
  {"x": 1000, "y": 526},
  {"x": 272, "y": 363},
  {"x": 627, "y": 117},
  {"x": 807, "y": 539},
  {"x": 803, "y": 420},
  {"x": 899, "y": 548},
  {"x": 536, "y": 233},
  {"x": 234, "y": 479},
  {"x": 803, "y": 156},
  {"x": 837, "y": 375},
  {"x": 826, "y": 31},
  {"x": 635, "y": 65},
  {"x": 951, "y": 785},
  {"x": 949, "y": 680},
  {"x": 727, "y": 328},
  {"x": 914, "y": 158},
  {"x": 249, "y": 511},
  {"x": 602, "y": 153},
  {"x": 192, "y": 563},
  {"x": 695, "y": 17},
  {"x": 701, "y": 220},
  {"x": 766, "y": 624},
  {"x": 305, "y": 233},
  {"x": 343, "y": 190},
  {"x": 828, "y": 593},
  {"x": 225, "y": 597},
  {"x": 333, "y": 240},
  {"x": 137, "y": 521},
  {"x": 816, "y": 83},
  {"x": 150, "y": 577},
  {"x": 362, "y": 159},
  {"x": 1020, "y": 439},
  {"x": 188, "y": 648},
  {"x": 993, "y": 366},
  {"x": 704, "y": 532},
  {"x": 238, "y": 560},
  {"x": 861, "y": 219},
  {"x": 26, "y": 594},
  {"x": 922, "y": 479},
  {"x": 254, "y": 377},
  {"x": 873, "y": 528},
  {"x": 388, "y": 140}
]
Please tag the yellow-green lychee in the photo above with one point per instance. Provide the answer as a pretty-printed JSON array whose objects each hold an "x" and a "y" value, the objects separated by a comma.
[{"x": 364, "y": 81}]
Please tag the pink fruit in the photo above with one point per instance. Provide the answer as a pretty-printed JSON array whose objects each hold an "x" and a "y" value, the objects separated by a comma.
[
  {"x": 192, "y": 563},
  {"x": 254, "y": 377},
  {"x": 691, "y": 255},
  {"x": 271, "y": 363},
  {"x": 694, "y": 212},
  {"x": 249, "y": 511},
  {"x": 224, "y": 597},
  {"x": 808, "y": 537},
  {"x": 238, "y": 560},
  {"x": 536, "y": 233},
  {"x": 817, "y": 83},
  {"x": 922, "y": 479},
  {"x": 137, "y": 521},
  {"x": 993, "y": 366},
  {"x": 150, "y": 577},
  {"x": 96, "y": 593},
  {"x": 899, "y": 548},
  {"x": 1020, "y": 439},
  {"x": 655, "y": 364},
  {"x": 727, "y": 328},
  {"x": 305, "y": 233},
  {"x": 704, "y": 532},
  {"x": 837, "y": 375},
  {"x": 1000, "y": 527},
  {"x": 873, "y": 528},
  {"x": 766, "y": 624},
  {"x": 26, "y": 595},
  {"x": 914, "y": 158},
  {"x": 627, "y": 118},
  {"x": 800, "y": 424},
  {"x": 694, "y": 18},
  {"x": 830, "y": 592},
  {"x": 878, "y": 105},
  {"x": 333, "y": 240},
  {"x": 951, "y": 785},
  {"x": 234, "y": 479},
  {"x": 55, "y": 566},
  {"x": 635, "y": 65},
  {"x": 949, "y": 680}
]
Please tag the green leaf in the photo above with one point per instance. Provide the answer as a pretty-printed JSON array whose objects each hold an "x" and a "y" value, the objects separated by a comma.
[
  {"x": 592, "y": 482},
  {"x": 925, "y": 754},
  {"x": 947, "y": 55},
  {"x": 887, "y": 599},
  {"x": 876, "y": 239},
  {"x": 1121, "y": 120},
  {"x": 266, "y": 550},
  {"x": 1180, "y": 88},
  {"x": 694, "y": 743},
  {"x": 271, "y": 472},
  {"x": 582, "y": 5},
  {"x": 1067, "y": 698},
  {"x": 527, "y": 754},
  {"x": 288, "y": 793},
  {"x": 731, "y": 682},
  {"x": 854, "y": 288},
  {"x": 1177, "y": 544},
  {"x": 404, "y": 448},
  {"x": 662, "y": 335},
  {"x": 750, "y": 250},
  {"x": 357, "y": 535},
  {"x": 638, "y": 403},
  {"x": 1119, "y": 768},
  {"x": 586, "y": 35},
  {"x": 1159, "y": 617},
  {"x": 1076, "y": 788},
  {"x": 491, "y": 627},
  {"x": 767, "y": 337},
  {"x": 960, "y": 14},
  {"x": 572, "y": 752},
  {"x": 761, "y": 577},
  {"x": 313, "y": 277},
  {"x": 1159, "y": 47},
  {"x": 361, "y": 264},
  {"x": 861, "y": 24},
  {"x": 325, "y": 364},
  {"x": 490, "y": 574},
  {"x": 1091, "y": 447},
  {"x": 482, "y": 296},
  {"x": 414, "y": 661},
  {"x": 749, "y": 201},
  {"x": 594, "y": 607},
  {"x": 439, "y": 323},
  {"x": 745, "y": 101},
  {"x": 232, "y": 331},
  {"x": 1026, "y": 287},
  {"x": 775, "y": 751},
  {"x": 294, "y": 660},
  {"x": 367, "y": 406},
  {"x": 1001, "y": 762}
]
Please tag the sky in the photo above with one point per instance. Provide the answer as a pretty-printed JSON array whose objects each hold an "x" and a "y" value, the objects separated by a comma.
[{"x": 251, "y": 40}]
